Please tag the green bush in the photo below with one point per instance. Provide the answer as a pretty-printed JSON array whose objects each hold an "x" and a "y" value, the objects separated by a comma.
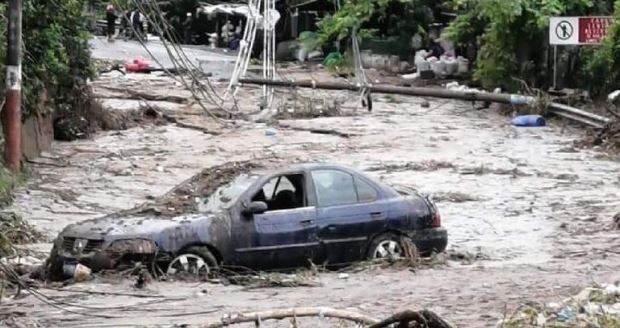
[
  {"x": 512, "y": 42},
  {"x": 510, "y": 36},
  {"x": 602, "y": 72}
]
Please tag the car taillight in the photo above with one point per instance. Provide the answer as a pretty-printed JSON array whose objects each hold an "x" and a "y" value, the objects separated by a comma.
[{"x": 436, "y": 220}]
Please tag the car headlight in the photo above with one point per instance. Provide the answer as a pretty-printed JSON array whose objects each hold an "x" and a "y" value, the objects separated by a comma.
[{"x": 132, "y": 246}]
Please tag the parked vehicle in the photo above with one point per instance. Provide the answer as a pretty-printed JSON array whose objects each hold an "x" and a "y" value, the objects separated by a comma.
[{"x": 264, "y": 220}]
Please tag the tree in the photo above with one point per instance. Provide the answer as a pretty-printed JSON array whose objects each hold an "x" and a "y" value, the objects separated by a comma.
[{"x": 56, "y": 53}]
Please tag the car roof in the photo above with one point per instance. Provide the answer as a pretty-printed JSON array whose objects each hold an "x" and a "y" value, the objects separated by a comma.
[{"x": 303, "y": 167}]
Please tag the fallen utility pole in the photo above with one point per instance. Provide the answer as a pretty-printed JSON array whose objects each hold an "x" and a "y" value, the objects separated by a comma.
[
  {"x": 503, "y": 98},
  {"x": 11, "y": 114}
]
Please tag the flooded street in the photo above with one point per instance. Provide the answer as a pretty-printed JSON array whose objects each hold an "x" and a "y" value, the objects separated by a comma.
[{"x": 531, "y": 212}]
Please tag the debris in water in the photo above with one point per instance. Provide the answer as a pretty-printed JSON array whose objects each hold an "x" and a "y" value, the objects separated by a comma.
[
  {"x": 454, "y": 197},
  {"x": 592, "y": 307},
  {"x": 430, "y": 165},
  {"x": 14, "y": 231}
]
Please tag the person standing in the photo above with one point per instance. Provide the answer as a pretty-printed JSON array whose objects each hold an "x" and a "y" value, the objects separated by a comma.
[
  {"x": 111, "y": 19},
  {"x": 187, "y": 29},
  {"x": 124, "y": 25},
  {"x": 137, "y": 21}
]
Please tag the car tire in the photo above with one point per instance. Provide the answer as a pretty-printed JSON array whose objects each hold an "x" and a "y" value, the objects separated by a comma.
[
  {"x": 198, "y": 258},
  {"x": 53, "y": 266},
  {"x": 385, "y": 246}
]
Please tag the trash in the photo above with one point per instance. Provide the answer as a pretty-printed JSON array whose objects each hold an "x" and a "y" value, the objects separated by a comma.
[
  {"x": 343, "y": 276},
  {"x": 600, "y": 304},
  {"x": 412, "y": 76},
  {"x": 138, "y": 65},
  {"x": 452, "y": 65},
  {"x": 612, "y": 97},
  {"x": 438, "y": 66},
  {"x": 144, "y": 278},
  {"x": 455, "y": 86},
  {"x": 566, "y": 314},
  {"x": 541, "y": 320},
  {"x": 420, "y": 61},
  {"x": 528, "y": 120},
  {"x": 463, "y": 65},
  {"x": 78, "y": 272},
  {"x": 270, "y": 132}
]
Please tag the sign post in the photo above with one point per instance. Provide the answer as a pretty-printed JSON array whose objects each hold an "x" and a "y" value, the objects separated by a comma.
[{"x": 576, "y": 31}]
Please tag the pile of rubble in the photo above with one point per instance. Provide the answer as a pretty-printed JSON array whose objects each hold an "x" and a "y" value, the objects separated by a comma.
[
  {"x": 592, "y": 307},
  {"x": 187, "y": 196},
  {"x": 14, "y": 230}
]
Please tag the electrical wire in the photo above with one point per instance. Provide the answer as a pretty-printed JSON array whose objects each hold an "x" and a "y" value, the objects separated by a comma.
[
  {"x": 184, "y": 64},
  {"x": 185, "y": 61},
  {"x": 175, "y": 62}
]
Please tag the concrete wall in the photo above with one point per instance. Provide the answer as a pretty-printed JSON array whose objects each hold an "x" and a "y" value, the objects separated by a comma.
[{"x": 37, "y": 135}]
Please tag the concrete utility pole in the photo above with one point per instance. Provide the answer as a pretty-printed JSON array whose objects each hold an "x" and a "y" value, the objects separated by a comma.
[{"x": 11, "y": 114}]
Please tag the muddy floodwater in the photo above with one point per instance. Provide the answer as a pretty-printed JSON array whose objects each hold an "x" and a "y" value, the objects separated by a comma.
[{"x": 532, "y": 212}]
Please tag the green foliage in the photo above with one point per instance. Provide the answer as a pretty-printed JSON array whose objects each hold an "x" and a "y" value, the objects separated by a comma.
[
  {"x": 338, "y": 64},
  {"x": 510, "y": 35},
  {"x": 351, "y": 16},
  {"x": 603, "y": 70},
  {"x": 308, "y": 40},
  {"x": 14, "y": 230},
  {"x": 56, "y": 56}
]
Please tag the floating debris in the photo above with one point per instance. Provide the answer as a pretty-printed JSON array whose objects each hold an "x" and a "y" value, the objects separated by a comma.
[{"x": 592, "y": 307}]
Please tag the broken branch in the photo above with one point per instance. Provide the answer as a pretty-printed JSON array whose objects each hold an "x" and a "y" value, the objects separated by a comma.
[
  {"x": 132, "y": 94},
  {"x": 422, "y": 318},
  {"x": 293, "y": 313}
]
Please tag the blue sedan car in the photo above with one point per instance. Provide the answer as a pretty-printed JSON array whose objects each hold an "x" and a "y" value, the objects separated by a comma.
[{"x": 263, "y": 220}]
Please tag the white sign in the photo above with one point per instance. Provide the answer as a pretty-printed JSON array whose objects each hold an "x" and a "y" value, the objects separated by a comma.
[
  {"x": 578, "y": 30},
  {"x": 564, "y": 30}
]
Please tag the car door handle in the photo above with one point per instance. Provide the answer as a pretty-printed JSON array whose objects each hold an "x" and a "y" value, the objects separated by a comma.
[
  {"x": 306, "y": 222},
  {"x": 376, "y": 214}
]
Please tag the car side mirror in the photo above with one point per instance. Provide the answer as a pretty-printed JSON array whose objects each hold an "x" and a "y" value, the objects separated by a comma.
[{"x": 255, "y": 208}]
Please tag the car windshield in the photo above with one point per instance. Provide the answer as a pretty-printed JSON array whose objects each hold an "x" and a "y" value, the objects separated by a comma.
[{"x": 227, "y": 194}]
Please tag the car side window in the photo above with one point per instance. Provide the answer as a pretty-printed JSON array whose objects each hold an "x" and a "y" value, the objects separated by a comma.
[
  {"x": 334, "y": 188},
  {"x": 283, "y": 192},
  {"x": 282, "y": 183},
  {"x": 365, "y": 192}
]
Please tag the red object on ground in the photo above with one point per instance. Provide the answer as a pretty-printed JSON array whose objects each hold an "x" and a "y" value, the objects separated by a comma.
[{"x": 138, "y": 65}]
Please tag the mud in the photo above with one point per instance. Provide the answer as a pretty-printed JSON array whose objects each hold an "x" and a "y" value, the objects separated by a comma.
[
  {"x": 182, "y": 199},
  {"x": 539, "y": 216}
]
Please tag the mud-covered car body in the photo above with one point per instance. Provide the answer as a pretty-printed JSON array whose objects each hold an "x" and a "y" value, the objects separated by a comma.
[{"x": 264, "y": 220}]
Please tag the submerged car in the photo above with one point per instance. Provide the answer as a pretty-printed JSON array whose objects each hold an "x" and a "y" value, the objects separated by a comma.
[{"x": 263, "y": 220}]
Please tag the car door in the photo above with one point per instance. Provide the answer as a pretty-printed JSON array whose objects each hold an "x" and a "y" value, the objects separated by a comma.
[
  {"x": 348, "y": 214},
  {"x": 286, "y": 234}
]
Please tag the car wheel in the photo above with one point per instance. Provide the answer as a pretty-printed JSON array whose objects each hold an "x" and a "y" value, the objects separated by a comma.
[
  {"x": 193, "y": 261},
  {"x": 386, "y": 246}
]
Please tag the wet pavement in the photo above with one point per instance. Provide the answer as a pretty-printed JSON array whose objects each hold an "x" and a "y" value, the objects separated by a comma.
[
  {"x": 214, "y": 61},
  {"x": 534, "y": 209}
]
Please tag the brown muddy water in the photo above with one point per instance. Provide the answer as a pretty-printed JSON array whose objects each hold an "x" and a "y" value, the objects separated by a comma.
[{"x": 533, "y": 212}]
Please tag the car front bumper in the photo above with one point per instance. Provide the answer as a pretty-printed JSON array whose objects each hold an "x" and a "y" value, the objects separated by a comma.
[
  {"x": 430, "y": 240},
  {"x": 107, "y": 257}
]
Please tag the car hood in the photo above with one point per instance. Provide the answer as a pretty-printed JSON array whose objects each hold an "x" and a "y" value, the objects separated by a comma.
[{"x": 113, "y": 227}]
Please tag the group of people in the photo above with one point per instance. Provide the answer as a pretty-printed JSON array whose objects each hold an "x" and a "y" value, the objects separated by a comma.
[{"x": 133, "y": 17}]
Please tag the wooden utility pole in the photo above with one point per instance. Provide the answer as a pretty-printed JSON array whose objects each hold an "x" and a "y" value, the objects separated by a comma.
[{"x": 11, "y": 114}]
